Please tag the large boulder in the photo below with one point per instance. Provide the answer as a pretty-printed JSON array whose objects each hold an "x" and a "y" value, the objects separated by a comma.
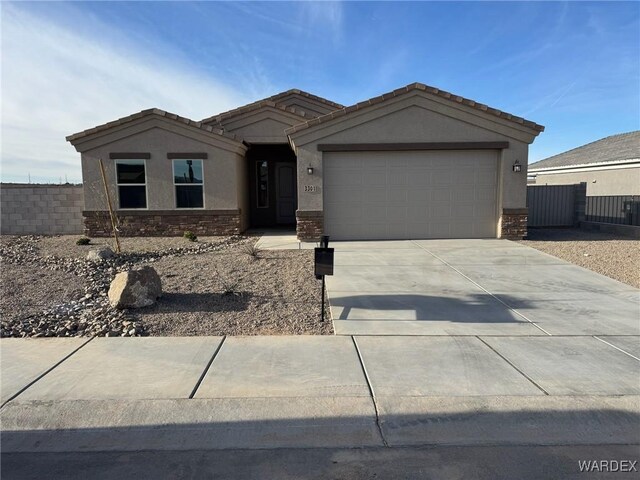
[
  {"x": 136, "y": 288},
  {"x": 100, "y": 254}
]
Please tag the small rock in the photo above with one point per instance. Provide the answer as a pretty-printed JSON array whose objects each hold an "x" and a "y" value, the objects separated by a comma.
[{"x": 100, "y": 254}]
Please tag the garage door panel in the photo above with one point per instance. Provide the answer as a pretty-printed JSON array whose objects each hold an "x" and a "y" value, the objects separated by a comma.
[
  {"x": 486, "y": 177},
  {"x": 485, "y": 194},
  {"x": 419, "y": 179},
  {"x": 442, "y": 178},
  {"x": 466, "y": 195},
  {"x": 396, "y": 195},
  {"x": 397, "y": 214},
  {"x": 376, "y": 195},
  {"x": 378, "y": 178}
]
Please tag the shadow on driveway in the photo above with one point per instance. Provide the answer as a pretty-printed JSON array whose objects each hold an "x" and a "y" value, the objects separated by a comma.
[{"x": 476, "y": 308}]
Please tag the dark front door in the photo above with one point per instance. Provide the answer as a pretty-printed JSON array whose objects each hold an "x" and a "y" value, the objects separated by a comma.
[{"x": 285, "y": 193}]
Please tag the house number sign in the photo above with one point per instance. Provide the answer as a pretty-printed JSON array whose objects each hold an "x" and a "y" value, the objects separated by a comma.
[{"x": 310, "y": 188}]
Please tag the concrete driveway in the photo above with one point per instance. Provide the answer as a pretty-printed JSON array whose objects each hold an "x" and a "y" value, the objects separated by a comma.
[{"x": 472, "y": 287}]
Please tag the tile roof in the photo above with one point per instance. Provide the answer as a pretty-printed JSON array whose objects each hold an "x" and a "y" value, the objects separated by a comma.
[
  {"x": 272, "y": 101},
  {"x": 401, "y": 91},
  {"x": 150, "y": 112},
  {"x": 623, "y": 146}
]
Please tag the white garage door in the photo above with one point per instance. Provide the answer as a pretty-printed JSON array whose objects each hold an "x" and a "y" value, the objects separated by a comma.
[{"x": 404, "y": 195}]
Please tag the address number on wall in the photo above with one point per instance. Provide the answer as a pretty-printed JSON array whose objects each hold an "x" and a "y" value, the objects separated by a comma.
[{"x": 310, "y": 188}]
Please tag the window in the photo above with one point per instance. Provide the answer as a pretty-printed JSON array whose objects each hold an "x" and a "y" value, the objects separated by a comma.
[
  {"x": 187, "y": 178},
  {"x": 262, "y": 182},
  {"x": 132, "y": 183}
]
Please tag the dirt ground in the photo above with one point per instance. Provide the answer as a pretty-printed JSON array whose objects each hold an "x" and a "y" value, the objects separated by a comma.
[
  {"x": 220, "y": 292},
  {"x": 614, "y": 256}
]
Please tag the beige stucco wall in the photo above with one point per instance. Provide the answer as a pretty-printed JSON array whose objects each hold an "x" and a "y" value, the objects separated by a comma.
[
  {"x": 624, "y": 181},
  {"x": 221, "y": 170},
  {"x": 416, "y": 118},
  {"x": 266, "y": 125}
]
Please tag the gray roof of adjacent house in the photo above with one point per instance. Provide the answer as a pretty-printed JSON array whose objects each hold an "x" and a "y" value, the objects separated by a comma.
[{"x": 623, "y": 146}]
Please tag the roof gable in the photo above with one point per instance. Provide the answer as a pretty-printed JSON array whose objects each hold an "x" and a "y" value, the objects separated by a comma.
[
  {"x": 623, "y": 146},
  {"x": 449, "y": 97},
  {"x": 304, "y": 105},
  {"x": 139, "y": 124},
  {"x": 152, "y": 112}
]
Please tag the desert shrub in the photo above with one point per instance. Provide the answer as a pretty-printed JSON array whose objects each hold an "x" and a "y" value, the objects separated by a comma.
[
  {"x": 229, "y": 284},
  {"x": 83, "y": 241},
  {"x": 189, "y": 235},
  {"x": 252, "y": 250}
]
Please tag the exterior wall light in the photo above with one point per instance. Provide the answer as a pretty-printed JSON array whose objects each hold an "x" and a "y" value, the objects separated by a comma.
[
  {"x": 310, "y": 170},
  {"x": 517, "y": 167}
]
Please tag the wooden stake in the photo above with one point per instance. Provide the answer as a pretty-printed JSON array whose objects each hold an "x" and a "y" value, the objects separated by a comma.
[{"x": 111, "y": 214}]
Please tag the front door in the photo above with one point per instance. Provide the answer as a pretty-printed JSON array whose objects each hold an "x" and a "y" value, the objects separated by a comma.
[{"x": 285, "y": 193}]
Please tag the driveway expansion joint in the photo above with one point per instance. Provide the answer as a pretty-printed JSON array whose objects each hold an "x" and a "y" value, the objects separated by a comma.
[
  {"x": 39, "y": 377},
  {"x": 512, "y": 365},
  {"x": 482, "y": 288},
  {"x": 617, "y": 348},
  {"x": 373, "y": 397},
  {"x": 206, "y": 369}
]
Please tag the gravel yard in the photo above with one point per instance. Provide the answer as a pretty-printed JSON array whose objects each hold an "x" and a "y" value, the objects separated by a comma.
[
  {"x": 607, "y": 254},
  {"x": 211, "y": 287}
]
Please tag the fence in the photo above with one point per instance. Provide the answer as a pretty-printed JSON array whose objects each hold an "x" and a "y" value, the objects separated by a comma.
[
  {"x": 618, "y": 209},
  {"x": 41, "y": 209},
  {"x": 555, "y": 205}
]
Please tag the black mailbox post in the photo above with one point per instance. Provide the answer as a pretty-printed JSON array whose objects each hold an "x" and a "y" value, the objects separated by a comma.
[
  {"x": 323, "y": 266},
  {"x": 323, "y": 261}
]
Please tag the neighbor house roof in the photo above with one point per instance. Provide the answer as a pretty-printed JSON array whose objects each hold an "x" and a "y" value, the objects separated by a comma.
[
  {"x": 624, "y": 146},
  {"x": 272, "y": 101},
  {"x": 147, "y": 113},
  {"x": 402, "y": 91}
]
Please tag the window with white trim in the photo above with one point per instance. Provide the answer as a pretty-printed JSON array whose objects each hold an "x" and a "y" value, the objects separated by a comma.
[
  {"x": 131, "y": 180},
  {"x": 188, "y": 183}
]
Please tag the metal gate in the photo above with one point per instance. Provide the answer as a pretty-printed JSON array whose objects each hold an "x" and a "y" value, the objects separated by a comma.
[{"x": 551, "y": 205}]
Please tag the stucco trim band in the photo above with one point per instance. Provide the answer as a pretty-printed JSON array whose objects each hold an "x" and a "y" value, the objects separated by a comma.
[
  {"x": 187, "y": 155},
  {"x": 387, "y": 147},
  {"x": 129, "y": 155}
]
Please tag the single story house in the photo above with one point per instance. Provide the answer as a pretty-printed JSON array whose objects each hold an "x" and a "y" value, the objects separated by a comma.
[
  {"x": 417, "y": 162},
  {"x": 609, "y": 166}
]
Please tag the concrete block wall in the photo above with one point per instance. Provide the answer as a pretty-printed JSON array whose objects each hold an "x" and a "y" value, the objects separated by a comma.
[{"x": 41, "y": 209}]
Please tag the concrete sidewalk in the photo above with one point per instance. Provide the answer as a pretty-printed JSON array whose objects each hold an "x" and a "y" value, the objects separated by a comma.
[{"x": 200, "y": 393}]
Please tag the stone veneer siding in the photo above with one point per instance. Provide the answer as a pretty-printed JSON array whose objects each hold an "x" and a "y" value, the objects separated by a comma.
[
  {"x": 157, "y": 223},
  {"x": 309, "y": 225},
  {"x": 513, "y": 223}
]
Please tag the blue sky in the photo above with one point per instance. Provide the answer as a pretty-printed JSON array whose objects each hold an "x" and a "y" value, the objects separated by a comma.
[{"x": 571, "y": 66}]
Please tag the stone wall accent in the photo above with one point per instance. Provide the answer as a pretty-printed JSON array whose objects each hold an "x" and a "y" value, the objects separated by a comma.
[
  {"x": 36, "y": 209},
  {"x": 513, "y": 223},
  {"x": 160, "y": 223},
  {"x": 309, "y": 225}
]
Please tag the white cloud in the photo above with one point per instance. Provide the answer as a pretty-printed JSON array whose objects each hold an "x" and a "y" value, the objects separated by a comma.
[
  {"x": 57, "y": 81},
  {"x": 323, "y": 16}
]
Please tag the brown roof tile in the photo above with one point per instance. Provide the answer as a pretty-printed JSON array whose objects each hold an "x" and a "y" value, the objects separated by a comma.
[
  {"x": 409, "y": 88},
  {"x": 272, "y": 102},
  {"x": 149, "y": 112}
]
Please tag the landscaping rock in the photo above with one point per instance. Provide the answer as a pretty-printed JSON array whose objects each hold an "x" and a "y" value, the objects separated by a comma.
[
  {"x": 100, "y": 254},
  {"x": 136, "y": 288}
]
